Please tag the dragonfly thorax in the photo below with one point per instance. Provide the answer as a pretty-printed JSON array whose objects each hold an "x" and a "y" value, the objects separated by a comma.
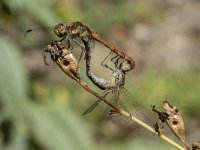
[{"x": 79, "y": 30}]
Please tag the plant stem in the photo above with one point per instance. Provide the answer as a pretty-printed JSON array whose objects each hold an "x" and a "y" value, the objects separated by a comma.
[
  {"x": 130, "y": 116},
  {"x": 69, "y": 66}
]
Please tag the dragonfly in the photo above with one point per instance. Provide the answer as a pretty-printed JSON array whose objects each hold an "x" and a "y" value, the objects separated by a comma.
[
  {"x": 80, "y": 34},
  {"x": 115, "y": 86},
  {"x": 64, "y": 58}
]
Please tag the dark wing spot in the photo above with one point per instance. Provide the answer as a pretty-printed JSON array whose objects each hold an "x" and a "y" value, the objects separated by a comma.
[{"x": 29, "y": 30}]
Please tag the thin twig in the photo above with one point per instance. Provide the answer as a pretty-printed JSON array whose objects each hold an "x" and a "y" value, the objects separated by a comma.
[
  {"x": 130, "y": 116},
  {"x": 69, "y": 66}
]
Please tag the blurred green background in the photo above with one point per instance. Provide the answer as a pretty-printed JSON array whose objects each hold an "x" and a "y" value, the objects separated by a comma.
[{"x": 40, "y": 107}]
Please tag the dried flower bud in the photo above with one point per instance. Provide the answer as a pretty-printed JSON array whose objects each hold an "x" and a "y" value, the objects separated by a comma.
[
  {"x": 173, "y": 119},
  {"x": 64, "y": 59}
]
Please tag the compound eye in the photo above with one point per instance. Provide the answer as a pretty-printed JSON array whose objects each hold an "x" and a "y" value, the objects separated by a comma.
[
  {"x": 125, "y": 66},
  {"x": 60, "y": 30}
]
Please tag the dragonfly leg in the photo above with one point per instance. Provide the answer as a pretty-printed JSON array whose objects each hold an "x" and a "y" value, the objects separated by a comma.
[
  {"x": 45, "y": 57},
  {"x": 112, "y": 59},
  {"x": 116, "y": 62},
  {"x": 83, "y": 49},
  {"x": 104, "y": 62},
  {"x": 115, "y": 101},
  {"x": 68, "y": 42},
  {"x": 81, "y": 46},
  {"x": 82, "y": 52}
]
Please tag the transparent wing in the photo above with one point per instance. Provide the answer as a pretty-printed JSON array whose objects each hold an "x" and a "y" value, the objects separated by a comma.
[
  {"x": 125, "y": 101},
  {"x": 93, "y": 105},
  {"x": 117, "y": 100},
  {"x": 112, "y": 115},
  {"x": 40, "y": 37},
  {"x": 132, "y": 106}
]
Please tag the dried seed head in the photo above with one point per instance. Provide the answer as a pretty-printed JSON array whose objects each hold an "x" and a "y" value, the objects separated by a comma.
[
  {"x": 69, "y": 65},
  {"x": 64, "y": 59},
  {"x": 175, "y": 121}
]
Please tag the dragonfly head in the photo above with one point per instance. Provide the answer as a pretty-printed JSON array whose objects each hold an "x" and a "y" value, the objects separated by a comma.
[
  {"x": 60, "y": 30},
  {"x": 125, "y": 66}
]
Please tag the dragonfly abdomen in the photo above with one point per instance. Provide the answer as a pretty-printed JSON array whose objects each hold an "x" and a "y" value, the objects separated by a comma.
[{"x": 98, "y": 38}]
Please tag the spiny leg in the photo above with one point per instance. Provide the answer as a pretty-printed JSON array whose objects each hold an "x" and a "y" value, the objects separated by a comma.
[
  {"x": 115, "y": 101},
  {"x": 45, "y": 57},
  {"x": 68, "y": 41},
  {"x": 115, "y": 60},
  {"x": 81, "y": 55},
  {"x": 104, "y": 62},
  {"x": 83, "y": 48}
]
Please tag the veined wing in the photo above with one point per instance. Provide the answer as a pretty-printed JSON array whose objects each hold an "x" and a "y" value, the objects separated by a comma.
[
  {"x": 124, "y": 100},
  {"x": 133, "y": 108},
  {"x": 40, "y": 37},
  {"x": 116, "y": 97},
  {"x": 94, "y": 105}
]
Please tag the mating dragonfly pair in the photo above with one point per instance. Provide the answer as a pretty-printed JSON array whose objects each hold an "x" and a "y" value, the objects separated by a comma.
[{"x": 74, "y": 33}]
